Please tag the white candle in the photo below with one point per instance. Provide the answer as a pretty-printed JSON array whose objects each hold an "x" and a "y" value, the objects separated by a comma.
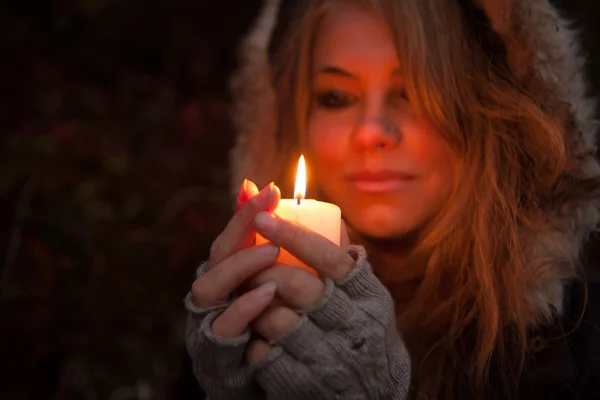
[{"x": 320, "y": 217}]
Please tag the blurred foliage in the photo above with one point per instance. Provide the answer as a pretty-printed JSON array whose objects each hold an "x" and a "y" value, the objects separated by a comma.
[
  {"x": 115, "y": 133},
  {"x": 114, "y": 138}
]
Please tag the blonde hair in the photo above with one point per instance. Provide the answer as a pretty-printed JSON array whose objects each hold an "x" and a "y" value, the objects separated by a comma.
[{"x": 471, "y": 305}]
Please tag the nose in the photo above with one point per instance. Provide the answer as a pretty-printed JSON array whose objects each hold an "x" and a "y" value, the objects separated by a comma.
[{"x": 376, "y": 132}]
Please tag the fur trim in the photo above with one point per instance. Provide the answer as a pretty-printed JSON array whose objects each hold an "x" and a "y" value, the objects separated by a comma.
[
  {"x": 537, "y": 39},
  {"x": 254, "y": 111},
  {"x": 539, "y": 42}
]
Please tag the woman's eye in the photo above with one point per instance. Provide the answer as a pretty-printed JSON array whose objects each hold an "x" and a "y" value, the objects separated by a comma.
[{"x": 336, "y": 99}]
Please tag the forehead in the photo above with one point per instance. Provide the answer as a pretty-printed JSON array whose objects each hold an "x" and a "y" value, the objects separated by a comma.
[{"x": 353, "y": 34}]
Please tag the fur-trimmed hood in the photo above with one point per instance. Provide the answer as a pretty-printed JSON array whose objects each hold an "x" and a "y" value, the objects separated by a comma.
[{"x": 538, "y": 41}]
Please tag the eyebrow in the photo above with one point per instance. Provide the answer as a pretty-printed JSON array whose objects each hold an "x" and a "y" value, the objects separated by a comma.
[{"x": 331, "y": 70}]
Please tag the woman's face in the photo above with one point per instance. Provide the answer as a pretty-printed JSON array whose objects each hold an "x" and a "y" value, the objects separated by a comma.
[{"x": 387, "y": 170}]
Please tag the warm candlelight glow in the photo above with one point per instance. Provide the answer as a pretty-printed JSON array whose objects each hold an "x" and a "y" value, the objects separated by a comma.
[
  {"x": 300, "y": 189},
  {"x": 317, "y": 216}
]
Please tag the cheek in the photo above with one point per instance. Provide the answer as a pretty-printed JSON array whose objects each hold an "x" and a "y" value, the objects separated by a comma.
[
  {"x": 444, "y": 161},
  {"x": 327, "y": 140},
  {"x": 429, "y": 150},
  {"x": 441, "y": 164}
]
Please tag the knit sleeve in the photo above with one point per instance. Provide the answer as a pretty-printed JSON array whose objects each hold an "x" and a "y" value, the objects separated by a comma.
[{"x": 346, "y": 347}]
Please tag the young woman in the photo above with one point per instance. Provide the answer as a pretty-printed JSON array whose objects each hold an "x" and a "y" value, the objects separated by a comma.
[{"x": 458, "y": 141}]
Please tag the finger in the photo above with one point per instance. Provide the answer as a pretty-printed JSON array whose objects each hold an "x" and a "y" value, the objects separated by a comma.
[
  {"x": 235, "y": 319},
  {"x": 257, "y": 350},
  {"x": 240, "y": 232},
  {"x": 278, "y": 303},
  {"x": 344, "y": 238},
  {"x": 297, "y": 287},
  {"x": 275, "y": 322},
  {"x": 247, "y": 191},
  {"x": 318, "y": 252},
  {"x": 216, "y": 284}
]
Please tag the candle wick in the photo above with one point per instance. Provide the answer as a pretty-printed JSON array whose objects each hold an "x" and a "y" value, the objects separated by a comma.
[{"x": 298, "y": 200}]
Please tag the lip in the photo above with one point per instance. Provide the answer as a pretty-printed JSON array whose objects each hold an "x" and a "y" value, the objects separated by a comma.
[{"x": 379, "y": 181}]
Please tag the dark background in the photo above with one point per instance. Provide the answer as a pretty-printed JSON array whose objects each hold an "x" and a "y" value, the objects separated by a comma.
[{"x": 114, "y": 182}]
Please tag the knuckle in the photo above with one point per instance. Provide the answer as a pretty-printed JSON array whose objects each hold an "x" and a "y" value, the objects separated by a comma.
[
  {"x": 303, "y": 288},
  {"x": 334, "y": 258},
  {"x": 202, "y": 292},
  {"x": 256, "y": 350},
  {"x": 217, "y": 247},
  {"x": 297, "y": 285},
  {"x": 281, "y": 320},
  {"x": 226, "y": 325},
  {"x": 276, "y": 322},
  {"x": 253, "y": 349},
  {"x": 218, "y": 327}
]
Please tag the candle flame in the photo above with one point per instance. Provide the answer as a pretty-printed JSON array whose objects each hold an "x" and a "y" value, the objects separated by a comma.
[{"x": 300, "y": 189}]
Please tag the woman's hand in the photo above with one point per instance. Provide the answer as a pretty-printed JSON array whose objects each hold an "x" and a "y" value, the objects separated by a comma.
[
  {"x": 298, "y": 289},
  {"x": 218, "y": 322},
  {"x": 335, "y": 337},
  {"x": 233, "y": 259}
]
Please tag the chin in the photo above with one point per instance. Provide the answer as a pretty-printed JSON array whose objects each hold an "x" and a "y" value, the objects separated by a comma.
[{"x": 382, "y": 222}]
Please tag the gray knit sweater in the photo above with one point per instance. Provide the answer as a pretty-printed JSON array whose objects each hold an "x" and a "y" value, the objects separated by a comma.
[{"x": 346, "y": 347}]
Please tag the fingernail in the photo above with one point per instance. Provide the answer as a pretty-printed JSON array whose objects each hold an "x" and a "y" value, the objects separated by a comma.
[
  {"x": 265, "y": 222},
  {"x": 242, "y": 194},
  {"x": 274, "y": 188},
  {"x": 264, "y": 196},
  {"x": 269, "y": 250},
  {"x": 251, "y": 189},
  {"x": 265, "y": 291}
]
